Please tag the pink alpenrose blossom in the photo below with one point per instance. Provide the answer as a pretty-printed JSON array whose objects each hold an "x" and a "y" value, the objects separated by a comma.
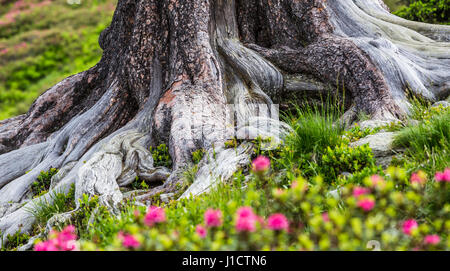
[
  {"x": 408, "y": 226},
  {"x": 443, "y": 176},
  {"x": 359, "y": 191},
  {"x": 325, "y": 217},
  {"x": 261, "y": 164},
  {"x": 213, "y": 218},
  {"x": 432, "y": 239},
  {"x": 377, "y": 181},
  {"x": 278, "y": 222},
  {"x": 418, "y": 178},
  {"x": 154, "y": 215},
  {"x": 128, "y": 240},
  {"x": 201, "y": 231},
  {"x": 246, "y": 220},
  {"x": 366, "y": 204},
  {"x": 59, "y": 241}
]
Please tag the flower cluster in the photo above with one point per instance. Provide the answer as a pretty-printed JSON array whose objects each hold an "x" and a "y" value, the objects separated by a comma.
[
  {"x": 305, "y": 215},
  {"x": 59, "y": 241},
  {"x": 261, "y": 164},
  {"x": 154, "y": 216},
  {"x": 443, "y": 176}
]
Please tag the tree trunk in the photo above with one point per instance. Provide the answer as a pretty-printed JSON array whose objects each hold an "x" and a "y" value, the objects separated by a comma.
[{"x": 169, "y": 70}]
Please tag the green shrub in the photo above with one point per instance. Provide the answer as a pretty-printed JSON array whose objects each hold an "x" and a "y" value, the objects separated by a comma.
[
  {"x": 139, "y": 184},
  {"x": 42, "y": 184},
  {"x": 161, "y": 156},
  {"x": 343, "y": 158},
  {"x": 14, "y": 241},
  {"x": 428, "y": 11}
]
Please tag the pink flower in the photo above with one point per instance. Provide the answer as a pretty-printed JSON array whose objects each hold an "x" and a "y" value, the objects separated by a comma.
[
  {"x": 409, "y": 225},
  {"x": 358, "y": 191},
  {"x": 366, "y": 204},
  {"x": 67, "y": 234},
  {"x": 261, "y": 164},
  {"x": 278, "y": 222},
  {"x": 246, "y": 219},
  {"x": 128, "y": 240},
  {"x": 201, "y": 231},
  {"x": 154, "y": 215},
  {"x": 443, "y": 176},
  {"x": 377, "y": 180},
  {"x": 418, "y": 178},
  {"x": 213, "y": 218},
  {"x": 59, "y": 241},
  {"x": 136, "y": 213},
  {"x": 432, "y": 239},
  {"x": 45, "y": 246},
  {"x": 325, "y": 217}
]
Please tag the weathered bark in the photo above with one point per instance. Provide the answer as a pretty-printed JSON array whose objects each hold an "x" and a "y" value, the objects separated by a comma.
[{"x": 171, "y": 67}]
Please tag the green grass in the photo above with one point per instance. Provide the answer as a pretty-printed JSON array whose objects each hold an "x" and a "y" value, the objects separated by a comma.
[
  {"x": 315, "y": 130},
  {"x": 43, "y": 210},
  {"x": 428, "y": 142}
]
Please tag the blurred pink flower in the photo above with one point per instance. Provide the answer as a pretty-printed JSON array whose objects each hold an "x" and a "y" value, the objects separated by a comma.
[
  {"x": 366, "y": 204},
  {"x": 325, "y": 217},
  {"x": 137, "y": 213},
  {"x": 213, "y": 218},
  {"x": 246, "y": 219},
  {"x": 443, "y": 176},
  {"x": 128, "y": 240},
  {"x": 418, "y": 178},
  {"x": 20, "y": 45},
  {"x": 261, "y": 164},
  {"x": 201, "y": 231},
  {"x": 154, "y": 215},
  {"x": 358, "y": 191},
  {"x": 59, "y": 241},
  {"x": 409, "y": 225},
  {"x": 377, "y": 180},
  {"x": 432, "y": 239},
  {"x": 278, "y": 222}
]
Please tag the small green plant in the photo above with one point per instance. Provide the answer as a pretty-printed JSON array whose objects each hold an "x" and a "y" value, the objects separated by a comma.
[
  {"x": 15, "y": 241},
  {"x": 189, "y": 175},
  {"x": 356, "y": 133},
  {"x": 197, "y": 155},
  {"x": 161, "y": 156},
  {"x": 139, "y": 184},
  {"x": 42, "y": 184},
  {"x": 231, "y": 143},
  {"x": 345, "y": 159}
]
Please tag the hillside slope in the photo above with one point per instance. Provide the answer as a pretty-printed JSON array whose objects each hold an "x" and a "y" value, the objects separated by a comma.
[{"x": 42, "y": 42}]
